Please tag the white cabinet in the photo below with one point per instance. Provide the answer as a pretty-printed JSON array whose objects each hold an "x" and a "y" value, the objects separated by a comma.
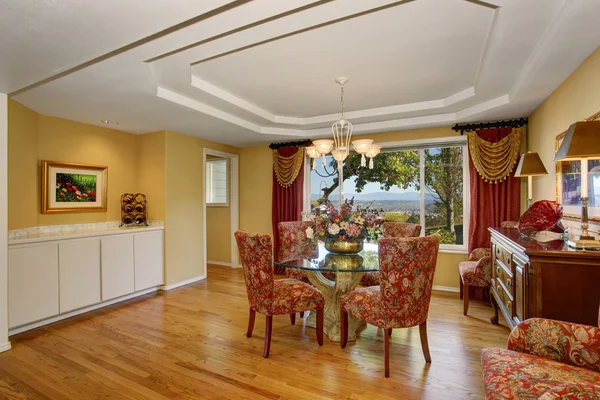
[
  {"x": 148, "y": 256},
  {"x": 79, "y": 273},
  {"x": 54, "y": 277},
  {"x": 117, "y": 266},
  {"x": 32, "y": 283}
]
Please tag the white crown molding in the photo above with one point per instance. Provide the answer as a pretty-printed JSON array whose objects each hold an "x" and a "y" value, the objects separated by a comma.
[
  {"x": 227, "y": 97},
  {"x": 401, "y": 123}
]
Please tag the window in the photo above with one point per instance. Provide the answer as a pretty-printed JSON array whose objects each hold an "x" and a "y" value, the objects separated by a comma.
[
  {"x": 416, "y": 182},
  {"x": 217, "y": 171}
]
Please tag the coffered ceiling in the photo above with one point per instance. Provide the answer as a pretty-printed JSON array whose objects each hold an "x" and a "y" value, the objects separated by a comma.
[{"x": 248, "y": 72}]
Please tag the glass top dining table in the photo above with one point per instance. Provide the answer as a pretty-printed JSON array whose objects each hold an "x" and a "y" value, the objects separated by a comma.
[
  {"x": 336, "y": 274},
  {"x": 365, "y": 261}
]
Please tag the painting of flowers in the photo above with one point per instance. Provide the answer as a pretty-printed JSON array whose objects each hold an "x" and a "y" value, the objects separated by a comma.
[
  {"x": 68, "y": 187},
  {"x": 75, "y": 187}
]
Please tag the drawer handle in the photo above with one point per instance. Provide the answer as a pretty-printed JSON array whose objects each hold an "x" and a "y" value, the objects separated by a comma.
[
  {"x": 508, "y": 304},
  {"x": 497, "y": 250},
  {"x": 497, "y": 271},
  {"x": 508, "y": 282},
  {"x": 507, "y": 260},
  {"x": 499, "y": 289}
]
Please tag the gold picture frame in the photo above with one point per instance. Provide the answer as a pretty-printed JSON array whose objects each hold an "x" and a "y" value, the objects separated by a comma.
[
  {"x": 569, "y": 210},
  {"x": 73, "y": 188}
]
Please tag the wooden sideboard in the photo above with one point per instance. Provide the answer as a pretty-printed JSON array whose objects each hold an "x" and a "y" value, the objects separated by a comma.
[{"x": 548, "y": 280}]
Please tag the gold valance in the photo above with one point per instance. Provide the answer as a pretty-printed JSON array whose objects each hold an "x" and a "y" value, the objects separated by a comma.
[
  {"x": 495, "y": 161},
  {"x": 287, "y": 168}
]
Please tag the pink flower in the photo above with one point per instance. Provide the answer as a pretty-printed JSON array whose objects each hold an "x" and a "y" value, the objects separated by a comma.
[{"x": 353, "y": 230}]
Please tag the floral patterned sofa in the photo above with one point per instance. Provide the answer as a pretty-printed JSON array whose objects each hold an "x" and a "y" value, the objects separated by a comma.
[{"x": 545, "y": 359}]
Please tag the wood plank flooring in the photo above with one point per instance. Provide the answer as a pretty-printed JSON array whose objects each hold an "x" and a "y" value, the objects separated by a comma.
[{"x": 190, "y": 343}]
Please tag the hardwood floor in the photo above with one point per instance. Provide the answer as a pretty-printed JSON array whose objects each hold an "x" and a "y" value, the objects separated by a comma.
[{"x": 190, "y": 343}]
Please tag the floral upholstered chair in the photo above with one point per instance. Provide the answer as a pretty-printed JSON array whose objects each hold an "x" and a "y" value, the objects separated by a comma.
[
  {"x": 477, "y": 271},
  {"x": 545, "y": 359},
  {"x": 391, "y": 229},
  {"x": 407, "y": 266},
  {"x": 295, "y": 246},
  {"x": 273, "y": 297}
]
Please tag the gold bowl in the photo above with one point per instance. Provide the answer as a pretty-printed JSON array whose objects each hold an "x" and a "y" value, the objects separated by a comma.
[{"x": 351, "y": 246}]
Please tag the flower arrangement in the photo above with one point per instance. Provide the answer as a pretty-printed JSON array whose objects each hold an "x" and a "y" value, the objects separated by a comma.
[{"x": 345, "y": 224}]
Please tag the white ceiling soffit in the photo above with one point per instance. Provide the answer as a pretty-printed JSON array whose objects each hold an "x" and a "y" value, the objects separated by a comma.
[{"x": 263, "y": 70}]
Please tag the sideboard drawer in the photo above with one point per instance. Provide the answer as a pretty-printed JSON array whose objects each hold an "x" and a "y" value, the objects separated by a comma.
[{"x": 504, "y": 256}]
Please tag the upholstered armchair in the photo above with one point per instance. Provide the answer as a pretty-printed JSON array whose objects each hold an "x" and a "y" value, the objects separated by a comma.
[
  {"x": 477, "y": 271},
  {"x": 545, "y": 359},
  {"x": 273, "y": 297},
  {"x": 407, "y": 266},
  {"x": 295, "y": 246},
  {"x": 391, "y": 229}
]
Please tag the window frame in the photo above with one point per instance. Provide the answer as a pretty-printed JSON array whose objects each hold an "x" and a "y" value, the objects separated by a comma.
[
  {"x": 420, "y": 145},
  {"x": 209, "y": 182}
]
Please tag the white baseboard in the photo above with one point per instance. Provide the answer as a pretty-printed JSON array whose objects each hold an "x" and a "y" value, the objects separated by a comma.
[
  {"x": 446, "y": 289},
  {"x": 5, "y": 347},
  {"x": 77, "y": 312},
  {"x": 182, "y": 283},
  {"x": 222, "y": 263}
]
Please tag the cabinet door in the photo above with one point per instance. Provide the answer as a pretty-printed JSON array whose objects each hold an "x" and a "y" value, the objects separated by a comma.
[
  {"x": 117, "y": 266},
  {"x": 32, "y": 283},
  {"x": 79, "y": 273},
  {"x": 148, "y": 256}
]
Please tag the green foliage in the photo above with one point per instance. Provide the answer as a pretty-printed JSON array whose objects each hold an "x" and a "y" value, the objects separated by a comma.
[
  {"x": 395, "y": 217},
  {"x": 75, "y": 188},
  {"x": 446, "y": 237}
]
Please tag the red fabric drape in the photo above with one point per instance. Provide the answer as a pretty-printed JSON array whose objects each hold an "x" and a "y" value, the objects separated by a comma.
[
  {"x": 287, "y": 202},
  {"x": 491, "y": 203}
]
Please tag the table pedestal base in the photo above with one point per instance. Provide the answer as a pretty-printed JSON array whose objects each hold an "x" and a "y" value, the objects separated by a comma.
[{"x": 332, "y": 290}]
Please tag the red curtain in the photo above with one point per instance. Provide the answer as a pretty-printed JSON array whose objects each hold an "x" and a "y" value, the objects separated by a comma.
[
  {"x": 287, "y": 202},
  {"x": 491, "y": 203}
]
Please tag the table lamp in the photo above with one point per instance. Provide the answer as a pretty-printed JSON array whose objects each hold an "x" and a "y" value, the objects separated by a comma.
[
  {"x": 530, "y": 165},
  {"x": 582, "y": 141}
]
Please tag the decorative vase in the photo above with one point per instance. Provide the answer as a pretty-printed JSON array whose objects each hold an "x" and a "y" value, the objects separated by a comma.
[
  {"x": 343, "y": 262},
  {"x": 349, "y": 246}
]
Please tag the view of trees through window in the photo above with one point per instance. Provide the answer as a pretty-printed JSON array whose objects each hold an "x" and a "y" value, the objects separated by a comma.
[{"x": 394, "y": 187}]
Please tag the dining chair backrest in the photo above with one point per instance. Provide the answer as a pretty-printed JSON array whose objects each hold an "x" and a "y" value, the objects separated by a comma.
[
  {"x": 400, "y": 229},
  {"x": 407, "y": 266},
  {"x": 256, "y": 256},
  {"x": 294, "y": 244}
]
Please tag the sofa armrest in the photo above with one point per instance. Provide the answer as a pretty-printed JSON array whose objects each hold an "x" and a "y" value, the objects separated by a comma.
[
  {"x": 572, "y": 344},
  {"x": 479, "y": 253},
  {"x": 572, "y": 391}
]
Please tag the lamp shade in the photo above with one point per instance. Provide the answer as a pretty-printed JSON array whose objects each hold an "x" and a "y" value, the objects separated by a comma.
[
  {"x": 581, "y": 141},
  {"x": 530, "y": 164},
  {"x": 324, "y": 146}
]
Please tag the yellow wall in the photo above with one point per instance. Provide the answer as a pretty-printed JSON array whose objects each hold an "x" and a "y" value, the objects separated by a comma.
[
  {"x": 151, "y": 172},
  {"x": 34, "y": 137},
  {"x": 577, "y": 98},
  {"x": 256, "y": 179},
  {"x": 23, "y": 170},
  {"x": 184, "y": 222}
]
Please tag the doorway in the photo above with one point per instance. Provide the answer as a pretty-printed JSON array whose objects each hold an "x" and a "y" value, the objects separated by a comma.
[{"x": 221, "y": 207}]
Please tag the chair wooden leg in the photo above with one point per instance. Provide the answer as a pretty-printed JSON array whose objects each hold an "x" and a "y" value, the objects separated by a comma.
[
  {"x": 268, "y": 329},
  {"x": 320, "y": 323},
  {"x": 465, "y": 299},
  {"x": 251, "y": 323},
  {"x": 293, "y": 318},
  {"x": 389, "y": 332},
  {"x": 424, "y": 343},
  {"x": 301, "y": 314},
  {"x": 387, "y": 353},
  {"x": 460, "y": 285},
  {"x": 343, "y": 328}
]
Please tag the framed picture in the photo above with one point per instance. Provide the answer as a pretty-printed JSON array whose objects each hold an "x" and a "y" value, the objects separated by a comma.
[
  {"x": 70, "y": 188},
  {"x": 568, "y": 183}
]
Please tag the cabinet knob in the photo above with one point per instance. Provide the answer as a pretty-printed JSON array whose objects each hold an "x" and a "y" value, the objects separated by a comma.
[
  {"x": 508, "y": 282},
  {"x": 497, "y": 270},
  {"x": 499, "y": 289},
  {"x": 507, "y": 260},
  {"x": 508, "y": 304}
]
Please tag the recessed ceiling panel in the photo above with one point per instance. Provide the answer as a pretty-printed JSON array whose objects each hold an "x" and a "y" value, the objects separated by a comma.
[{"x": 411, "y": 53}]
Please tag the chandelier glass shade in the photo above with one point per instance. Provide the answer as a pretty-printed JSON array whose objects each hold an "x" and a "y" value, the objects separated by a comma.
[{"x": 339, "y": 147}]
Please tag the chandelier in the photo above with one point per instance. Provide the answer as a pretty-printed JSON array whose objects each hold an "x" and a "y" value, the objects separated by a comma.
[{"x": 339, "y": 147}]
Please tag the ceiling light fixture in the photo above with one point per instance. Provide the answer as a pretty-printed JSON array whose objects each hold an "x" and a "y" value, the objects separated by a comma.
[
  {"x": 339, "y": 147},
  {"x": 108, "y": 122}
]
